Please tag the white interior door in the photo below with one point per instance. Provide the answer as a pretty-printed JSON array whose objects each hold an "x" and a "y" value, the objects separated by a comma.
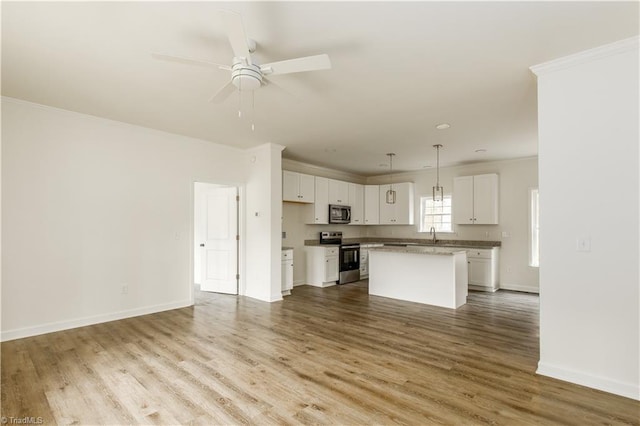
[{"x": 220, "y": 251}]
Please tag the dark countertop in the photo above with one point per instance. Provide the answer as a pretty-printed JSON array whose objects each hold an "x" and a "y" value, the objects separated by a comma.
[{"x": 415, "y": 241}]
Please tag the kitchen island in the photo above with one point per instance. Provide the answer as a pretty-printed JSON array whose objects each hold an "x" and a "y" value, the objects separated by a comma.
[{"x": 419, "y": 274}]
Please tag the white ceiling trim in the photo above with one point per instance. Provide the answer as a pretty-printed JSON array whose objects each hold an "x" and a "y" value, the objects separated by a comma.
[{"x": 632, "y": 43}]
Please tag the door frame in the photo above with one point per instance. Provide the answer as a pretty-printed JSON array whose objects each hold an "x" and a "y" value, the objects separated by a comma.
[{"x": 241, "y": 232}]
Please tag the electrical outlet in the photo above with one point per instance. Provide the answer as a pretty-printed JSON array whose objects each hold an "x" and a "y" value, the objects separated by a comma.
[
  {"x": 125, "y": 289},
  {"x": 583, "y": 244}
]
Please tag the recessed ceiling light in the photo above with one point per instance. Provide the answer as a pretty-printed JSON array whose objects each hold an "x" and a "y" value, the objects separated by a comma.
[
  {"x": 481, "y": 150},
  {"x": 443, "y": 126}
]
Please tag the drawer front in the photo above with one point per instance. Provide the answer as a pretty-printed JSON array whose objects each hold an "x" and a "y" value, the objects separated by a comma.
[
  {"x": 479, "y": 254},
  {"x": 331, "y": 251},
  {"x": 287, "y": 254}
]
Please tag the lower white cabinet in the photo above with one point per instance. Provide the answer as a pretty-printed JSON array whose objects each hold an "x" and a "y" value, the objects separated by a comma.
[
  {"x": 483, "y": 269},
  {"x": 364, "y": 259},
  {"x": 287, "y": 271},
  {"x": 322, "y": 265}
]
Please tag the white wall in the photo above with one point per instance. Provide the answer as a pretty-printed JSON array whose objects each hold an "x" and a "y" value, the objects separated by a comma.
[
  {"x": 199, "y": 228},
  {"x": 264, "y": 223},
  {"x": 589, "y": 189},
  {"x": 90, "y": 205}
]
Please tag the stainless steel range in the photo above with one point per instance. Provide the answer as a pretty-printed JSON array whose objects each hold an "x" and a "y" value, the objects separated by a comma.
[{"x": 349, "y": 259}]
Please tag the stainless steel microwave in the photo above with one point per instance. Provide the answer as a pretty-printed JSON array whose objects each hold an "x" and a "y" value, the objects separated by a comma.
[{"x": 339, "y": 214}]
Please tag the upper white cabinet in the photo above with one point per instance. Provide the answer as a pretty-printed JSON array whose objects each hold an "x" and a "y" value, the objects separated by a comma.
[
  {"x": 400, "y": 212},
  {"x": 298, "y": 187},
  {"x": 338, "y": 192},
  {"x": 356, "y": 200},
  {"x": 475, "y": 200},
  {"x": 367, "y": 202},
  {"x": 371, "y": 205},
  {"x": 318, "y": 212}
]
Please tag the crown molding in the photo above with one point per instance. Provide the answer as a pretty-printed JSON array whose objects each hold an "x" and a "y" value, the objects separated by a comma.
[
  {"x": 565, "y": 62},
  {"x": 313, "y": 169}
]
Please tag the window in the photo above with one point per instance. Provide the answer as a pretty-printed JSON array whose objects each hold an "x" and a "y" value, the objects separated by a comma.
[
  {"x": 534, "y": 231},
  {"x": 436, "y": 214}
]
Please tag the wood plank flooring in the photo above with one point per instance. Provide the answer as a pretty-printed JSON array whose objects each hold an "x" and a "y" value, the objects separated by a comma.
[{"x": 322, "y": 356}]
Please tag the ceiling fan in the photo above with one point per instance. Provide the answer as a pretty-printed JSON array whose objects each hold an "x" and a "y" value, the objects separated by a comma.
[{"x": 246, "y": 75}]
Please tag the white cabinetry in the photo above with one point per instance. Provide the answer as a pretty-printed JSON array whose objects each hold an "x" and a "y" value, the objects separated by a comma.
[
  {"x": 364, "y": 259},
  {"x": 475, "y": 200},
  {"x": 297, "y": 187},
  {"x": 322, "y": 265},
  {"x": 401, "y": 212},
  {"x": 483, "y": 269},
  {"x": 287, "y": 271},
  {"x": 338, "y": 192},
  {"x": 371, "y": 205},
  {"x": 356, "y": 201},
  {"x": 318, "y": 212}
]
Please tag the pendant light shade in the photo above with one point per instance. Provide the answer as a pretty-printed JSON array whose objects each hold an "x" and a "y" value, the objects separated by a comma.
[
  {"x": 438, "y": 190},
  {"x": 390, "y": 197}
]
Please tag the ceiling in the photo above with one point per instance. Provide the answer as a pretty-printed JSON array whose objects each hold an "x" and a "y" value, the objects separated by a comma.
[{"x": 398, "y": 70}]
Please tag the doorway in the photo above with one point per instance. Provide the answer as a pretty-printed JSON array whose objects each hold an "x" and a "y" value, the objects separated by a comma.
[{"x": 216, "y": 237}]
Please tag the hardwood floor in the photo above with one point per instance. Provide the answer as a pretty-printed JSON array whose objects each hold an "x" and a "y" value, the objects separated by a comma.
[{"x": 322, "y": 356}]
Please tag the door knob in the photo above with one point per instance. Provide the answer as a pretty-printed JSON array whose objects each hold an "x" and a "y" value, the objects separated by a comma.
[{"x": 202, "y": 245}]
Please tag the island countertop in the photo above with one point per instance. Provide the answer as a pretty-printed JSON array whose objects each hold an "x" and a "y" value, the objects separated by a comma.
[
  {"x": 430, "y": 250},
  {"x": 418, "y": 242}
]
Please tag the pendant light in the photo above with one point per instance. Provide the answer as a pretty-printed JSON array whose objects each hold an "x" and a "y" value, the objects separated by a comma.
[
  {"x": 391, "y": 193},
  {"x": 438, "y": 191}
]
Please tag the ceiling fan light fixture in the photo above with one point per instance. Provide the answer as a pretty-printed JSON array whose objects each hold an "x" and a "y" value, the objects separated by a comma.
[{"x": 245, "y": 76}]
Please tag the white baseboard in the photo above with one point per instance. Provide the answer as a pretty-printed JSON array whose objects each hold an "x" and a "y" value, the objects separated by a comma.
[
  {"x": 517, "y": 287},
  {"x": 82, "y": 322},
  {"x": 298, "y": 282},
  {"x": 629, "y": 390}
]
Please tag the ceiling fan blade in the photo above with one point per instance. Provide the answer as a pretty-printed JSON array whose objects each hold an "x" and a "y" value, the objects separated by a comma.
[
  {"x": 189, "y": 61},
  {"x": 223, "y": 93},
  {"x": 308, "y": 63},
  {"x": 237, "y": 36}
]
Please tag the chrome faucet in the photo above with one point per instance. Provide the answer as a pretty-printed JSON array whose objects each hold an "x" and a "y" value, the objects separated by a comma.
[{"x": 432, "y": 231}]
